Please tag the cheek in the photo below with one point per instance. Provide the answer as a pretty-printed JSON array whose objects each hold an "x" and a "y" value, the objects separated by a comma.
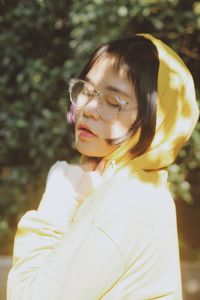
[
  {"x": 120, "y": 128},
  {"x": 97, "y": 147},
  {"x": 114, "y": 130}
]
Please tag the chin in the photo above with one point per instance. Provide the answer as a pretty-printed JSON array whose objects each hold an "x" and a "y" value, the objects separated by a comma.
[
  {"x": 88, "y": 150},
  {"x": 89, "y": 153}
]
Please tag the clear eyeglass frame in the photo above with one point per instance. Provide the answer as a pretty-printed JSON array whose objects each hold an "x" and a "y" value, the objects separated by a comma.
[{"x": 122, "y": 102}]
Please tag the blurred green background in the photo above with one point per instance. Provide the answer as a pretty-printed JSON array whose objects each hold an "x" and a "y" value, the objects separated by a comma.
[{"x": 43, "y": 44}]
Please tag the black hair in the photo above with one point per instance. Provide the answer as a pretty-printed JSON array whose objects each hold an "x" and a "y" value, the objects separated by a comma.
[{"x": 139, "y": 57}]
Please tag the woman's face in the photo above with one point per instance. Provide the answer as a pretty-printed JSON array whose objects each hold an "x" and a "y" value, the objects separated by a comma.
[{"x": 103, "y": 77}]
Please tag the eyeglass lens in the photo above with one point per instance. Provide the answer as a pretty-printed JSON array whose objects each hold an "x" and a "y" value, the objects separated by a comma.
[{"x": 81, "y": 93}]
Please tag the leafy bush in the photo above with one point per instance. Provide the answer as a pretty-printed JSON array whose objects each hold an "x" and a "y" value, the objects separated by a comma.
[{"x": 43, "y": 43}]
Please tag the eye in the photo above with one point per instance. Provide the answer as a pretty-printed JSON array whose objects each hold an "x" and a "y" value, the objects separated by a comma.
[{"x": 111, "y": 100}]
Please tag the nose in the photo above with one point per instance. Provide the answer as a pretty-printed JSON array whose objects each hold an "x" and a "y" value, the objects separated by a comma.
[{"x": 91, "y": 108}]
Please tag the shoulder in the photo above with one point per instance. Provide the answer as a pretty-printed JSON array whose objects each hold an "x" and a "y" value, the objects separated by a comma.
[
  {"x": 135, "y": 215},
  {"x": 136, "y": 199},
  {"x": 128, "y": 203}
]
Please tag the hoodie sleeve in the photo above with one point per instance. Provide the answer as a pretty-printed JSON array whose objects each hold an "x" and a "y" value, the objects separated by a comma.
[
  {"x": 56, "y": 256},
  {"x": 80, "y": 263}
]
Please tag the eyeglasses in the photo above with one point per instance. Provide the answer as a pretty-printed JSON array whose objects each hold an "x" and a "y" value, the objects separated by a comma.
[{"x": 109, "y": 105}]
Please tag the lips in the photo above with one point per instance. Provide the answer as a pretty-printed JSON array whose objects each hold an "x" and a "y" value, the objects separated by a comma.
[{"x": 86, "y": 128}]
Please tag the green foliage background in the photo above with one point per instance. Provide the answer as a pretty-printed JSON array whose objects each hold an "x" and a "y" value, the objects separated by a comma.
[{"x": 45, "y": 42}]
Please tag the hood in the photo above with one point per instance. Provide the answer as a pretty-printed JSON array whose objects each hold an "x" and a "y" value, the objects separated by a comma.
[{"x": 177, "y": 113}]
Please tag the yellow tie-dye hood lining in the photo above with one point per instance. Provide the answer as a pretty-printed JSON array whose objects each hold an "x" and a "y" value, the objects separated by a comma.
[{"x": 177, "y": 114}]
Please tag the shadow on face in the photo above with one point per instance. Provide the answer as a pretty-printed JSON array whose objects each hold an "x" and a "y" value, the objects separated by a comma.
[{"x": 105, "y": 79}]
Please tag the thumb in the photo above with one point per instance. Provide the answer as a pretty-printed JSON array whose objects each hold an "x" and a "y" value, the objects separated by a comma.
[
  {"x": 101, "y": 166},
  {"x": 89, "y": 165}
]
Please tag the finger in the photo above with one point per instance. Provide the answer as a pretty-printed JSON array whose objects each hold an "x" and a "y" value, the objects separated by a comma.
[
  {"x": 101, "y": 166},
  {"x": 89, "y": 165}
]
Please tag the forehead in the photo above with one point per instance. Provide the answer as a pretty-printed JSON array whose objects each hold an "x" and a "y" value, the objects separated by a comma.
[
  {"x": 110, "y": 71},
  {"x": 108, "y": 67}
]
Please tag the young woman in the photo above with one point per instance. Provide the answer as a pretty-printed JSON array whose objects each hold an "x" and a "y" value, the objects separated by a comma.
[{"x": 106, "y": 228}]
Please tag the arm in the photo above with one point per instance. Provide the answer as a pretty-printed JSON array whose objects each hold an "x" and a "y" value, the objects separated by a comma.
[
  {"x": 53, "y": 256},
  {"x": 83, "y": 265}
]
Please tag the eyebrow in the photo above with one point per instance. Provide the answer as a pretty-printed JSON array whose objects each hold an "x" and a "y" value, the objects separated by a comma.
[{"x": 112, "y": 88}]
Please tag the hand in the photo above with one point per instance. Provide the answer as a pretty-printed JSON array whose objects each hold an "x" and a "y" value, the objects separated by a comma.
[
  {"x": 67, "y": 186},
  {"x": 93, "y": 171},
  {"x": 72, "y": 179},
  {"x": 59, "y": 200},
  {"x": 93, "y": 165}
]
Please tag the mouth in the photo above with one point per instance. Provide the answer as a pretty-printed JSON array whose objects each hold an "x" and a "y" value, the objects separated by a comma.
[{"x": 85, "y": 131}]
